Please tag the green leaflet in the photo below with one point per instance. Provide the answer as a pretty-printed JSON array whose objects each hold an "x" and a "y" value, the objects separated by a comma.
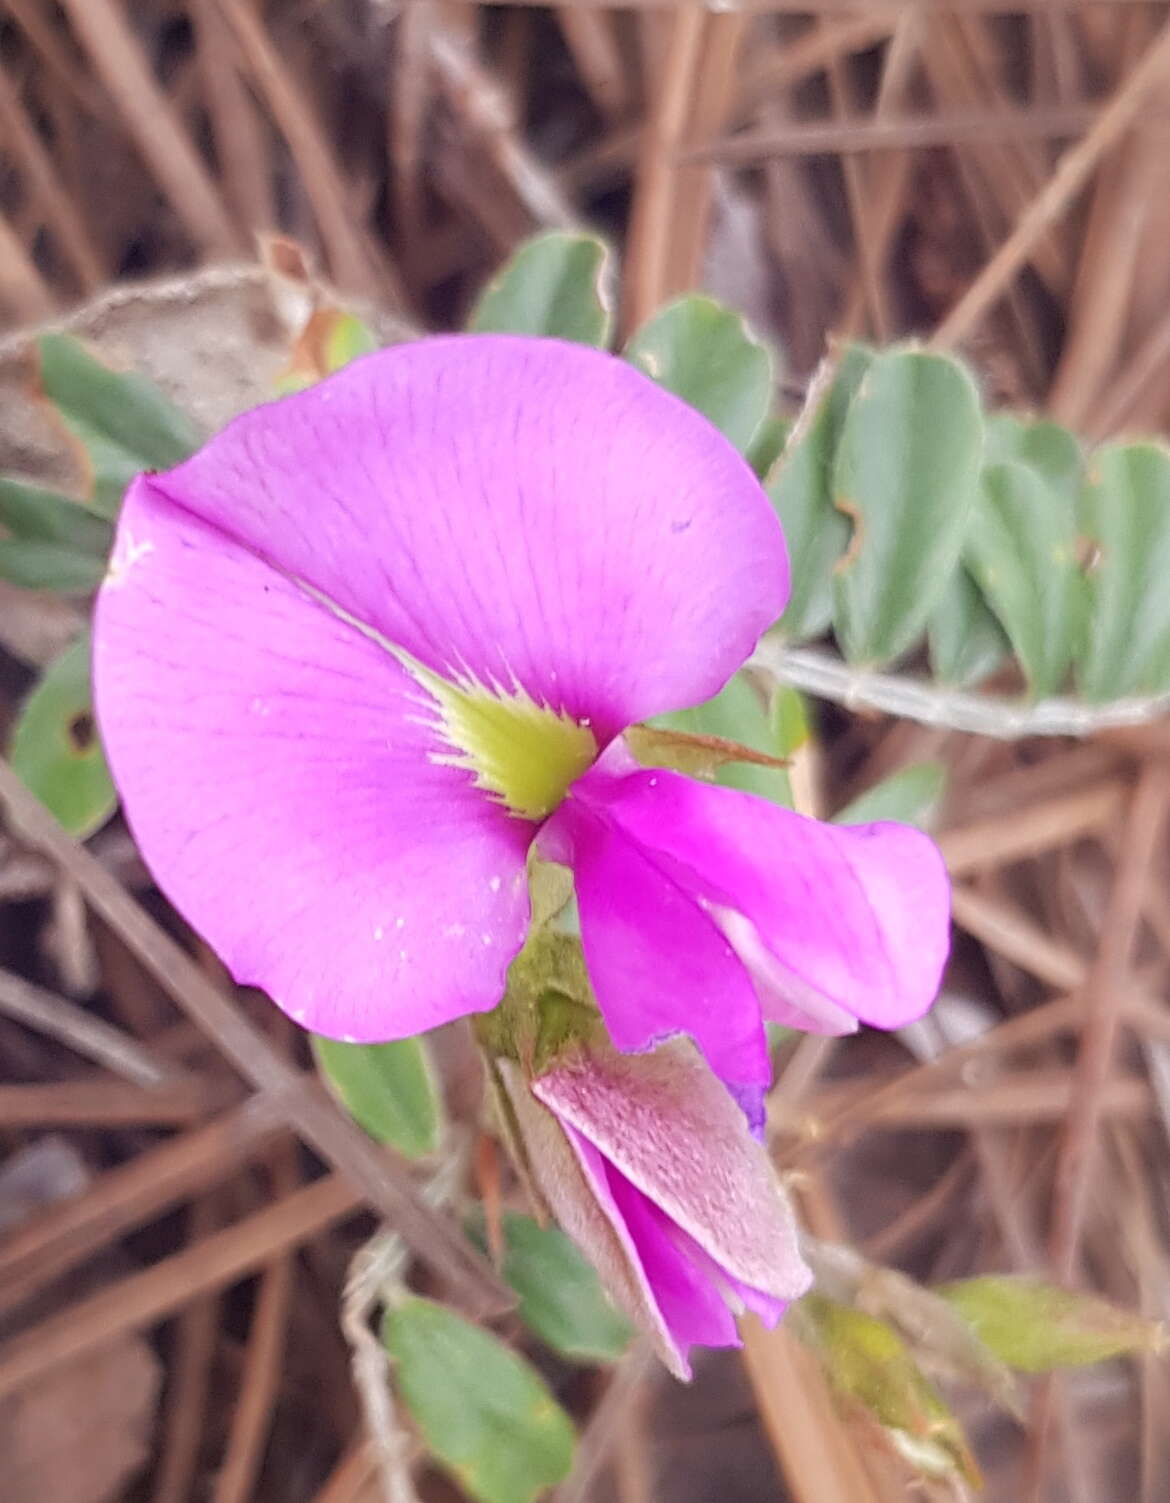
[
  {"x": 554, "y": 285},
  {"x": 481, "y": 1410},
  {"x": 705, "y": 354}
]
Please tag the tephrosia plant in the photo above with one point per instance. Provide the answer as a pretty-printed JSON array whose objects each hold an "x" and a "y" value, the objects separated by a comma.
[{"x": 423, "y": 690}]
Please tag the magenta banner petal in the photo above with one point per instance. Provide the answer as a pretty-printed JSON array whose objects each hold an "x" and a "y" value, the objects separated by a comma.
[
  {"x": 525, "y": 511},
  {"x": 657, "y": 963},
  {"x": 277, "y": 775},
  {"x": 831, "y": 923}
]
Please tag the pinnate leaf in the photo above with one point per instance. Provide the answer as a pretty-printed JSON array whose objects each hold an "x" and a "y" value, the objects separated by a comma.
[
  {"x": 1022, "y": 550},
  {"x": 1045, "y": 447},
  {"x": 967, "y": 643}
]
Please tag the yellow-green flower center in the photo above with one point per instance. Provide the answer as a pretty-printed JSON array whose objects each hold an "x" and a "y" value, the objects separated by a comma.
[{"x": 522, "y": 753}]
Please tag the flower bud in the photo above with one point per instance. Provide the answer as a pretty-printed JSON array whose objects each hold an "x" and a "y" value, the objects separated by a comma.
[{"x": 648, "y": 1163}]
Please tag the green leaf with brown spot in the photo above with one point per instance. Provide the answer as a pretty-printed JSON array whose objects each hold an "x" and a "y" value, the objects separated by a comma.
[{"x": 55, "y": 748}]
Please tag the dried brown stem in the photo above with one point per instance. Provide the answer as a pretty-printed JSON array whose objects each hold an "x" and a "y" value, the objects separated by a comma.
[
  {"x": 353, "y": 261},
  {"x": 153, "y": 123},
  {"x": 138, "y": 1301},
  {"x": 261, "y": 1376},
  {"x": 1144, "y": 830},
  {"x": 1056, "y": 196},
  {"x": 848, "y": 135},
  {"x": 59, "y": 208},
  {"x": 196, "y": 1336},
  {"x": 646, "y": 280}
]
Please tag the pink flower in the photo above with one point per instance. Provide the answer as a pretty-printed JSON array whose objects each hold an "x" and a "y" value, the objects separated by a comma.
[
  {"x": 359, "y": 652},
  {"x": 724, "y": 908},
  {"x": 648, "y": 1165}
]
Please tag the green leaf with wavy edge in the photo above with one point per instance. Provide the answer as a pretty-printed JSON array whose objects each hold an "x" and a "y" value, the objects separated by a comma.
[
  {"x": 388, "y": 1089},
  {"x": 740, "y": 712},
  {"x": 1022, "y": 551},
  {"x": 705, "y": 354},
  {"x": 482, "y": 1411},
  {"x": 555, "y": 285},
  {"x": 55, "y": 748},
  {"x": 1037, "y": 1327},
  {"x": 911, "y": 795},
  {"x": 121, "y": 422},
  {"x": 560, "y": 1296},
  {"x": 1125, "y": 520},
  {"x": 801, "y": 490},
  {"x": 906, "y": 472},
  {"x": 967, "y": 643}
]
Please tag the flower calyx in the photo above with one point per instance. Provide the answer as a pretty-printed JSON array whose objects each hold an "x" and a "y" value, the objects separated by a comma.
[{"x": 548, "y": 1012}]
